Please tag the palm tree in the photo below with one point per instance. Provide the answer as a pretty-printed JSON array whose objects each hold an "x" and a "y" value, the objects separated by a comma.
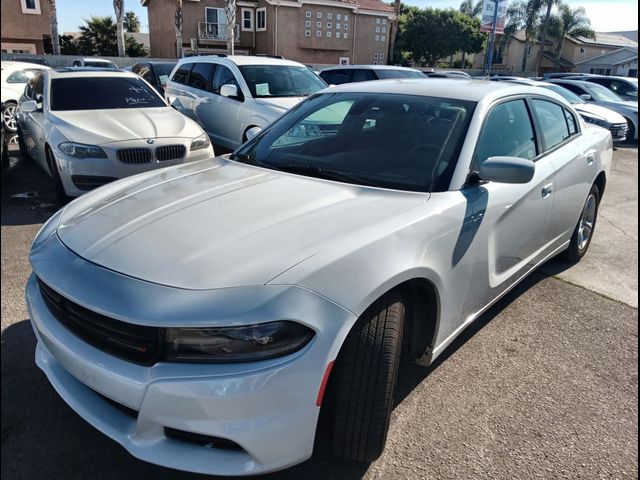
[
  {"x": 545, "y": 31},
  {"x": 53, "y": 23},
  {"x": 178, "y": 24},
  {"x": 471, "y": 8},
  {"x": 98, "y": 37},
  {"x": 525, "y": 15},
  {"x": 131, "y": 22},
  {"x": 393, "y": 31},
  {"x": 573, "y": 23},
  {"x": 118, "y": 7}
]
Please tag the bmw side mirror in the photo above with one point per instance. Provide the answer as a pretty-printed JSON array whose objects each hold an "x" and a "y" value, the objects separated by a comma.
[
  {"x": 29, "y": 106},
  {"x": 507, "y": 170},
  {"x": 229, "y": 91}
]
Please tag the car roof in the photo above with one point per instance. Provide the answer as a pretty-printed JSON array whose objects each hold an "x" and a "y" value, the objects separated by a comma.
[
  {"x": 15, "y": 65},
  {"x": 241, "y": 60},
  {"x": 93, "y": 59},
  {"x": 372, "y": 67},
  {"x": 70, "y": 72},
  {"x": 454, "y": 88}
]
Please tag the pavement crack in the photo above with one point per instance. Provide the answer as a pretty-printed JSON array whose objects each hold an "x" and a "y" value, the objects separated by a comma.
[{"x": 618, "y": 228}]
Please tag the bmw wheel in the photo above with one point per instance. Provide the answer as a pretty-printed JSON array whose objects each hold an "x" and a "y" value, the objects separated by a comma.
[{"x": 9, "y": 117}]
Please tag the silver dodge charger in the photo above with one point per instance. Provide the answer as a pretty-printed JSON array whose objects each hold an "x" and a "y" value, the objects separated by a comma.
[{"x": 205, "y": 315}]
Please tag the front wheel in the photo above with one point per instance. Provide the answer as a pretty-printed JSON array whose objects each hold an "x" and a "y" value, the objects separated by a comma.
[
  {"x": 9, "y": 117},
  {"x": 583, "y": 233},
  {"x": 364, "y": 380}
]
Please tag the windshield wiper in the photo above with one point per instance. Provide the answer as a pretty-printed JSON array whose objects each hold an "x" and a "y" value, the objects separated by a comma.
[{"x": 327, "y": 174}]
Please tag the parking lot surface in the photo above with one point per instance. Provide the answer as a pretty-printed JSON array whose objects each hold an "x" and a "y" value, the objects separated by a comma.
[{"x": 544, "y": 385}]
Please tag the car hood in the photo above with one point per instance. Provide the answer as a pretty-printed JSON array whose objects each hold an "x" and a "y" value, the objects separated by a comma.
[
  {"x": 624, "y": 106},
  {"x": 218, "y": 223},
  {"x": 280, "y": 104},
  {"x": 603, "y": 112},
  {"x": 97, "y": 127}
]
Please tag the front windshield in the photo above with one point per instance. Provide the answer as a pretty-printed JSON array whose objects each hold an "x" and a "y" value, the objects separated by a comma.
[
  {"x": 403, "y": 142},
  {"x": 603, "y": 94},
  {"x": 98, "y": 93},
  {"x": 388, "y": 73},
  {"x": 568, "y": 95},
  {"x": 267, "y": 81}
]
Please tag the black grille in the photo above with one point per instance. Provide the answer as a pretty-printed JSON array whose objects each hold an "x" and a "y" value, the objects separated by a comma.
[
  {"x": 204, "y": 440},
  {"x": 619, "y": 129},
  {"x": 124, "y": 340},
  {"x": 170, "y": 152},
  {"x": 89, "y": 182},
  {"x": 134, "y": 155}
]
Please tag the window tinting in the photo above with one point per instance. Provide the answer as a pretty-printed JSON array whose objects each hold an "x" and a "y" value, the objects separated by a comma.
[
  {"x": 552, "y": 121},
  {"x": 182, "y": 74},
  {"x": 95, "y": 93},
  {"x": 403, "y": 142},
  {"x": 200, "y": 76},
  {"x": 336, "y": 77},
  {"x": 223, "y": 76},
  {"x": 387, "y": 73},
  {"x": 507, "y": 132},
  {"x": 363, "y": 75}
]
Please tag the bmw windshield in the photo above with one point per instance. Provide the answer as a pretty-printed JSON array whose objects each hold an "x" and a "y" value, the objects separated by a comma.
[{"x": 402, "y": 142}]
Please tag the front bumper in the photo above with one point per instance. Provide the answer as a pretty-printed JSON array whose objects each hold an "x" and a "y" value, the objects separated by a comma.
[{"x": 268, "y": 408}]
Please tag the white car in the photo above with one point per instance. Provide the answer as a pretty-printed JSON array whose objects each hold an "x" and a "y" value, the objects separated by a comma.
[
  {"x": 205, "y": 315},
  {"x": 14, "y": 77},
  {"x": 93, "y": 62},
  {"x": 233, "y": 97},
  {"x": 88, "y": 128}
]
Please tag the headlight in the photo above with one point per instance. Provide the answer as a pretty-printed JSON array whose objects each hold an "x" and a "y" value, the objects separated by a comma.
[
  {"x": 48, "y": 229},
  {"x": 235, "y": 344},
  {"x": 81, "y": 150},
  {"x": 200, "y": 142},
  {"x": 601, "y": 122}
]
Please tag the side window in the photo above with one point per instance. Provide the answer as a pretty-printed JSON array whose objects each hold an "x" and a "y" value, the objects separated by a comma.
[
  {"x": 143, "y": 70},
  {"x": 223, "y": 76},
  {"x": 21, "y": 76},
  {"x": 574, "y": 88},
  {"x": 552, "y": 121},
  {"x": 182, "y": 74},
  {"x": 572, "y": 123},
  {"x": 335, "y": 77},
  {"x": 28, "y": 90},
  {"x": 363, "y": 75},
  {"x": 507, "y": 132},
  {"x": 77, "y": 63},
  {"x": 621, "y": 88},
  {"x": 200, "y": 77}
]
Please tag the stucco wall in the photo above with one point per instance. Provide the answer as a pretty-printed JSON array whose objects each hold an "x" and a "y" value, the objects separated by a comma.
[{"x": 18, "y": 27}]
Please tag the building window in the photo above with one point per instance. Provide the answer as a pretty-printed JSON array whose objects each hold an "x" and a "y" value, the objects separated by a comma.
[
  {"x": 377, "y": 29},
  {"x": 378, "y": 20},
  {"x": 383, "y": 29},
  {"x": 261, "y": 19},
  {"x": 30, "y": 6},
  {"x": 633, "y": 72},
  {"x": 338, "y": 16},
  {"x": 346, "y": 17},
  {"x": 337, "y": 34},
  {"x": 383, "y": 38},
  {"x": 319, "y": 15},
  {"x": 381, "y": 56},
  {"x": 329, "y": 16},
  {"x": 384, "y": 21},
  {"x": 308, "y": 13},
  {"x": 328, "y": 34},
  {"x": 216, "y": 26},
  {"x": 377, "y": 38},
  {"x": 318, "y": 24},
  {"x": 318, "y": 33},
  {"x": 307, "y": 33},
  {"x": 346, "y": 26},
  {"x": 581, "y": 49},
  {"x": 329, "y": 25},
  {"x": 344, "y": 35},
  {"x": 247, "y": 20},
  {"x": 307, "y": 23},
  {"x": 375, "y": 55},
  {"x": 343, "y": 60},
  {"x": 338, "y": 26}
]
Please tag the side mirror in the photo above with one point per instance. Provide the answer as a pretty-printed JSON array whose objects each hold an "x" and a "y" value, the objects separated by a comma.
[
  {"x": 163, "y": 80},
  {"x": 253, "y": 132},
  {"x": 507, "y": 170},
  {"x": 29, "y": 106},
  {"x": 229, "y": 91},
  {"x": 586, "y": 97}
]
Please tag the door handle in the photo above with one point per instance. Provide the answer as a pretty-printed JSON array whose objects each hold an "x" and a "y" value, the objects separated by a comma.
[
  {"x": 590, "y": 159},
  {"x": 547, "y": 190}
]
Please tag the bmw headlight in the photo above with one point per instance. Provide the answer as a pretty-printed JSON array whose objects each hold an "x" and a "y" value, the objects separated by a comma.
[
  {"x": 48, "y": 229},
  {"x": 80, "y": 150},
  {"x": 599, "y": 121},
  {"x": 235, "y": 344},
  {"x": 200, "y": 142}
]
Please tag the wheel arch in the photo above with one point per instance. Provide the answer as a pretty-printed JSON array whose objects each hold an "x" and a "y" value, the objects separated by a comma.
[{"x": 601, "y": 183}]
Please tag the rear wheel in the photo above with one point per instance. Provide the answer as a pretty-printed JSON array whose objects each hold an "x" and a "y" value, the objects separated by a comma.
[
  {"x": 55, "y": 176},
  {"x": 9, "y": 117},
  {"x": 583, "y": 233},
  {"x": 364, "y": 379}
]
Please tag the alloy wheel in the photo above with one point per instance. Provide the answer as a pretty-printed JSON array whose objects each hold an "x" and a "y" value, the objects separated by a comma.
[{"x": 587, "y": 221}]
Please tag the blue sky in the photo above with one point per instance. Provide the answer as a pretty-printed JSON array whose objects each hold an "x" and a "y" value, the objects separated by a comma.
[{"x": 605, "y": 15}]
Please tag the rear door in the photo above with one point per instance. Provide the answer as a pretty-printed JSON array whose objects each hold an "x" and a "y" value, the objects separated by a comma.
[
  {"x": 177, "y": 92},
  {"x": 219, "y": 116},
  {"x": 513, "y": 219}
]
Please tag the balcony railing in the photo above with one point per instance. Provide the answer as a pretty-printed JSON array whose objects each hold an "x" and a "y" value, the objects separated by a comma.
[{"x": 215, "y": 31}]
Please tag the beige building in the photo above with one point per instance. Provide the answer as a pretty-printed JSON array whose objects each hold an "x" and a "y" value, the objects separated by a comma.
[
  {"x": 308, "y": 31},
  {"x": 575, "y": 52},
  {"x": 25, "y": 24}
]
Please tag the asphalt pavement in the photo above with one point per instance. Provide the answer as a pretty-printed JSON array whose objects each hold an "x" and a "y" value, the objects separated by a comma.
[{"x": 544, "y": 385}]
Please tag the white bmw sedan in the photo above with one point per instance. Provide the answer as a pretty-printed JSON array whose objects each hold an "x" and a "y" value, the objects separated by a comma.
[
  {"x": 204, "y": 316},
  {"x": 88, "y": 128}
]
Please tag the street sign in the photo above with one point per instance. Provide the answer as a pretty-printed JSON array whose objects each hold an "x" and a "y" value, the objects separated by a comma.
[{"x": 489, "y": 13}]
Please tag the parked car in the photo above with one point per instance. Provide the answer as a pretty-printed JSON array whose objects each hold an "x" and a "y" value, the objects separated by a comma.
[
  {"x": 590, "y": 113},
  {"x": 625, "y": 87},
  {"x": 447, "y": 74},
  {"x": 14, "y": 77},
  {"x": 94, "y": 62},
  {"x": 567, "y": 75},
  {"x": 232, "y": 96},
  {"x": 88, "y": 128},
  {"x": 341, "y": 74},
  {"x": 30, "y": 59},
  {"x": 205, "y": 317},
  {"x": 599, "y": 95},
  {"x": 155, "y": 73}
]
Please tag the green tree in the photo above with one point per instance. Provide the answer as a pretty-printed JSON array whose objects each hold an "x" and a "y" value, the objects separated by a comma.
[
  {"x": 471, "y": 7},
  {"x": 525, "y": 15},
  {"x": 131, "y": 22},
  {"x": 134, "y": 48},
  {"x": 98, "y": 37},
  {"x": 545, "y": 30},
  {"x": 68, "y": 45},
  {"x": 572, "y": 22}
]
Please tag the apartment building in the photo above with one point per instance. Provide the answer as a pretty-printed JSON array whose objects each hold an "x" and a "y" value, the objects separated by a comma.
[
  {"x": 25, "y": 25},
  {"x": 308, "y": 31}
]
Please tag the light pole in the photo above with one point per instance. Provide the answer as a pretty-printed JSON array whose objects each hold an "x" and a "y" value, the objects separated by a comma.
[{"x": 492, "y": 37}]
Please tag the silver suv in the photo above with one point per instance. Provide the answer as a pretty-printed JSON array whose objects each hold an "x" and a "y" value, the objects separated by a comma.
[{"x": 232, "y": 97}]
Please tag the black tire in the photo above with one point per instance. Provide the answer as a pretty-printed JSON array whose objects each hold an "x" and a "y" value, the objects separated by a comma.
[
  {"x": 55, "y": 177},
  {"x": 9, "y": 126},
  {"x": 364, "y": 379},
  {"x": 578, "y": 246},
  {"x": 631, "y": 133},
  {"x": 24, "y": 153}
]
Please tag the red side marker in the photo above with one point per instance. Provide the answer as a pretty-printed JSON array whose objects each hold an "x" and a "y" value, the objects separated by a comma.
[{"x": 323, "y": 385}]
